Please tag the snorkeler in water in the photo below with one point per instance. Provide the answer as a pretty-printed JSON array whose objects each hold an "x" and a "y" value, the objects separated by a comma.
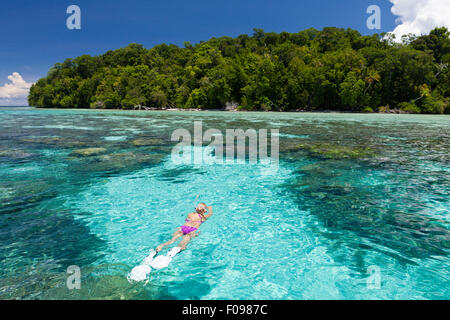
[{"x": 189, "y": 229}]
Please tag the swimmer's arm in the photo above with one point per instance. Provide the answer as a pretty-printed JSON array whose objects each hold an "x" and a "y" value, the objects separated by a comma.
[{"x": 210, "y": 212}]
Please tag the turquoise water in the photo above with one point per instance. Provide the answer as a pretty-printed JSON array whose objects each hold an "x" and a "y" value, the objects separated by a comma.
[{"x": 353, "y": 192}]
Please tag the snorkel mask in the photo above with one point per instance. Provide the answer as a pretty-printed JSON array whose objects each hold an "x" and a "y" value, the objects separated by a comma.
[{"x": 201, "y": 211}]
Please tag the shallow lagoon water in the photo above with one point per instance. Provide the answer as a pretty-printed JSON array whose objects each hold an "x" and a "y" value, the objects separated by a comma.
[{"x": 353, "y": 193}]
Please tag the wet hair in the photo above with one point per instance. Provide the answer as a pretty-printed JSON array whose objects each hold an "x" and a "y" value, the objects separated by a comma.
[{"x": 202, "y": 213}]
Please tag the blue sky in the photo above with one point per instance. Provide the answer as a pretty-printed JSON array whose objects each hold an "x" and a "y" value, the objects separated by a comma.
[{"x": 34, "y": 36}]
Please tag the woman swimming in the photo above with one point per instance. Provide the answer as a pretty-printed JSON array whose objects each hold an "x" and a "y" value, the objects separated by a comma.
[{"x": 190, "y": 226}]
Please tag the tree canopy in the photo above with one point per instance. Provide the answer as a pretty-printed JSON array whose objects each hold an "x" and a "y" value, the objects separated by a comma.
[{"x": 333, "y": 69}]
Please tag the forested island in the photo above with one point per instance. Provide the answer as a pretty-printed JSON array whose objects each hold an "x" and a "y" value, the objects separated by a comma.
[{"x": 333, "y": 69}]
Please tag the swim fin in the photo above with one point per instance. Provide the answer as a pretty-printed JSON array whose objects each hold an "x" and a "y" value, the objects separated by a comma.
[
  {"x": 173, "y": 252},
  {"x": 163, "y": 261},
  {"x": 148, "y": 259},
  {"x": 140, "y": 272}
]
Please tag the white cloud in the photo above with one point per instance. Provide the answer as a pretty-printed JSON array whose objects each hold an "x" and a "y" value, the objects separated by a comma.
[
  {"x": 16, "y": 92},
  {"x": 420, "y": 16},
  {"x": 18, "y": 88}
]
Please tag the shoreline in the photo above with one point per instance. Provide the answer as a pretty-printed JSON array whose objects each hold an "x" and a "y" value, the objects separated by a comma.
[{"x": 393, "y": 111}]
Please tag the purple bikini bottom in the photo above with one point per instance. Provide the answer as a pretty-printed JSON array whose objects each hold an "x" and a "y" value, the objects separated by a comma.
[{"x": 187, "y": 229}]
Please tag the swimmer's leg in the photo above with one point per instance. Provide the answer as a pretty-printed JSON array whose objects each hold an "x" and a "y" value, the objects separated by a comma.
[
  {"x": 175, "y": 236},
  {"x": 186, "y": 239}
]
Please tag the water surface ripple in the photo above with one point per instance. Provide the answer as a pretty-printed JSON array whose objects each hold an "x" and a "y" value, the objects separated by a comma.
[{"x": 97, "y": 189}]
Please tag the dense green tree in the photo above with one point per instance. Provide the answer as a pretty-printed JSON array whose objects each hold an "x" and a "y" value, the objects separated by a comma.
[{"x": 334, "y": 69}]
